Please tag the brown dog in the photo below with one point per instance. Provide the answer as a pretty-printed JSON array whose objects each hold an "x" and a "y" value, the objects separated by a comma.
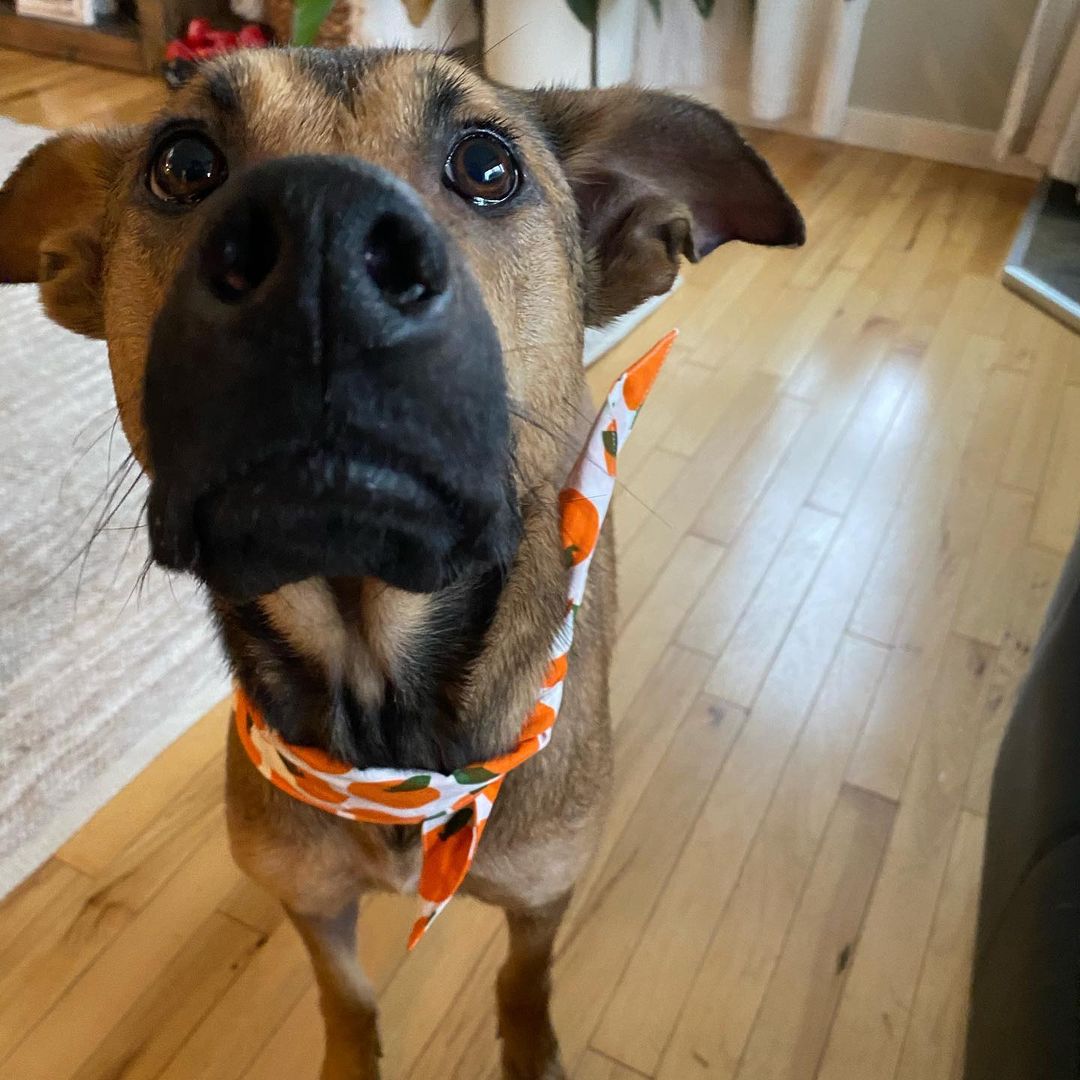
[{"x": 344, "y": 297}]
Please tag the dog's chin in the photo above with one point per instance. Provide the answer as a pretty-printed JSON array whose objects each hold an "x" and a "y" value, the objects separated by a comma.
[{"x": 326, "y": 515}]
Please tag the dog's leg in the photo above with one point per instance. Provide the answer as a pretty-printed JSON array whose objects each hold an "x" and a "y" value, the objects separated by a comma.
[
  {"x": 346, "y": 996},
  {"x": 530, "y": 1050}
]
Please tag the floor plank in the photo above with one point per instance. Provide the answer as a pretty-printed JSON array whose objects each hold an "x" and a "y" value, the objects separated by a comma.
[
  {"x": 873, "y": 1016},
  {"x": 793, "y": 1023},
  {"x": 1032, "y": 578},
  {"x": 1058, "y": 509},
  {"x": 934, "y": 1047},
  {"x": 729, "y": 962}
]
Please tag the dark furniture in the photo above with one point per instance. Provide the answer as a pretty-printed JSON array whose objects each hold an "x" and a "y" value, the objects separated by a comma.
[{"x": 1025, "y": 1013}]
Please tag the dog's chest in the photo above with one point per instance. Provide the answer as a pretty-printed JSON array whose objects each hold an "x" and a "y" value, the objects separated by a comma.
[{"x": 398, "y": 867}]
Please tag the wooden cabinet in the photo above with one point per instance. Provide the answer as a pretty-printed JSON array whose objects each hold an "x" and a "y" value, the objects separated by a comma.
[{"x": 126, "y": 43}]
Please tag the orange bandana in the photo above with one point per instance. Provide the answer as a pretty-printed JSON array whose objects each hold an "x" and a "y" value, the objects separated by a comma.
[{"x": 453, "y": 809}]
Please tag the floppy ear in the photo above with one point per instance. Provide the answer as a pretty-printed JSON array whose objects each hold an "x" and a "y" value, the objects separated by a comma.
[
  {"x": 657, "y": 176},
  {"x": 52, "y": 212}
]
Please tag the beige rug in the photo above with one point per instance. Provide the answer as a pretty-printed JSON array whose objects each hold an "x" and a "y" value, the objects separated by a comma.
[{"x": 94, "y": 680}]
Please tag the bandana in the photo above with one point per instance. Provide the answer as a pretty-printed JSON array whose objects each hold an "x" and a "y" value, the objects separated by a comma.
[{"x": 452, "y": 809}]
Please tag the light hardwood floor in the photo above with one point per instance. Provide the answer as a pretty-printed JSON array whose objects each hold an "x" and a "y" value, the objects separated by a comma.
[{"x": 843, "y": 514}]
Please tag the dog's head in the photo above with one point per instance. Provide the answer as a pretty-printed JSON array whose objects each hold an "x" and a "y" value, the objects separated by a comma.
[{"x": 344, "y": 295}]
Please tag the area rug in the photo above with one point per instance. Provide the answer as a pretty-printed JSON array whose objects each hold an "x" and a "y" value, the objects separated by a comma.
[{"x": 97, "y": 675}]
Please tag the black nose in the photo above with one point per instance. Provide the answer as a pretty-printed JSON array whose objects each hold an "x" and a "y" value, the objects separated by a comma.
[
  {"x": 276, "y": 240},
  {"x": 407, "y": 267}
]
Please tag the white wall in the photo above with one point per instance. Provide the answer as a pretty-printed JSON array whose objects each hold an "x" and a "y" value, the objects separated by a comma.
[
  {"x": 451, "y": 22},
  {"x": 950, "y": 60}
]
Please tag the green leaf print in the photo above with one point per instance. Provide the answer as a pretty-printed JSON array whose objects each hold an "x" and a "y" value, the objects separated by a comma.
[
  {"x": 414, "y": 783},
  {"x": 476, "y": 775}
]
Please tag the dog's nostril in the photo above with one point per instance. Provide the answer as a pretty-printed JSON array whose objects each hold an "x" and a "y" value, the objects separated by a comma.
[
  {"x": 239, "y": 257},
  {"x": 407, "y": 267}
]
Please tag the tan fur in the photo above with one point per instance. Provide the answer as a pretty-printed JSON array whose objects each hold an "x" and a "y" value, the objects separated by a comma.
[{"x": 541, "y": 276}]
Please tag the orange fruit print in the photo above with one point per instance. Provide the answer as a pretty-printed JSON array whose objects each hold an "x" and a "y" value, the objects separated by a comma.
[
  {"x": 580, "y": 526},
  {"x": 642, "y": 375}
]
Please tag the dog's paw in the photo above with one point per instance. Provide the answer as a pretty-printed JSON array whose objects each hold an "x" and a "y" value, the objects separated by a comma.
[
  {"x": 531, "y": 1066},
  {"x": 348, "y": 1070}
]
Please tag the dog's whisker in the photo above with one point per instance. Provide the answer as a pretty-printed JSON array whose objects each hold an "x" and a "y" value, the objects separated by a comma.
[
  {"x": 450, "y": 34},
  {"x": 137, "y": 586},
  {"x": 86, "y": 450},
  {"x": 113, "y": 481},
  {"x": 532, "y": 422},
  {"x": 81, "y": 552},
  {"x": 503, "y": 40},
  {"x": 101, "y": 523},
  {"x": 82, "y": 431},
  {"x": 132, "y": 531},
  {"x": 112, "y": 435},
  {"x": 651, "y": 510}
]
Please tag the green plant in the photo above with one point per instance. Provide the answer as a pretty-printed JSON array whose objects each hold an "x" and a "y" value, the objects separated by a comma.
[
  {"x": 586, "y": 10},
  {"x": 308, "y": 16}
]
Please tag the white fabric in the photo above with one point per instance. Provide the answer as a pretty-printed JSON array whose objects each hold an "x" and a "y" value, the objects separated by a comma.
[
  {"x": 1042, "y": 115},
  {"x": 790, "y": 58},
  {"x": 803, "y": 59},
  {"x": 89, "y": 691}
]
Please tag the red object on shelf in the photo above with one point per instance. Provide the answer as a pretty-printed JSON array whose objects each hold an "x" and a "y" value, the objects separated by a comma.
[
  {"x": 197, "y": 32},
  {"x": 252, "y": 36},
  {"x": 178, "y": 50},
  {"x": 201, "y": 41}
]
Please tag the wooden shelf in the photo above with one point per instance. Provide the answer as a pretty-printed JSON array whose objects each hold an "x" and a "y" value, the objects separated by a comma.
[
  {"x": 114, "y": 43},
  {"x": 128, "y": 44}
]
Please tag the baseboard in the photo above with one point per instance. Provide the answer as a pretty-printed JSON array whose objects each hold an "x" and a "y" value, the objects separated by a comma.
[
  {"x": 913, "y": 135},
  {"x": 934, "y": 139}
]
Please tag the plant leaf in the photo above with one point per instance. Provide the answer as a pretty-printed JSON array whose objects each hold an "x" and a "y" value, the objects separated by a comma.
[
  {"x": 308, "y": 16},
  {"x": 655, "y": 5},
  {"x": 585, "y": 11},
  {"x": 705, "y": 7}
]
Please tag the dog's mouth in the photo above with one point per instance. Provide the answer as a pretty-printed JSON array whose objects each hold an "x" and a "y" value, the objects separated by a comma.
[{"x": 331, "y": 511}]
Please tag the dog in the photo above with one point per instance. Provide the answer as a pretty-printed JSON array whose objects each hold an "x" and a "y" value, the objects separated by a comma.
[{"x": 344, "y": 296}]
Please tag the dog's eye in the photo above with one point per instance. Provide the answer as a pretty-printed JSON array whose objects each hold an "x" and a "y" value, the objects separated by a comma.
[
  {"x": 482, "y": 169},
  {"x": 185, "y": 168}
]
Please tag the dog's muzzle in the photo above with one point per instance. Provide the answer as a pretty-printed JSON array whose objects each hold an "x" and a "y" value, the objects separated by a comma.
[{"x": 324, "y": 392}]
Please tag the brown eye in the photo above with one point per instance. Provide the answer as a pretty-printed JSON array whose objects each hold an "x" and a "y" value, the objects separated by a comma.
[
  {"x": 186, "y": 167},
  {"x": 482, "y": 169}
]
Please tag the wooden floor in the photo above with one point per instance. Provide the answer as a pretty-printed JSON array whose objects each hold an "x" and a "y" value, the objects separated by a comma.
[{"x": 844, "y": 511}]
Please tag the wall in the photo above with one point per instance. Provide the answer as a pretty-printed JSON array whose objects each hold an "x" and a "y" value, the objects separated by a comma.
[
  {"x": 450, "y": 23},
  {"x": 950, "y": 60}
]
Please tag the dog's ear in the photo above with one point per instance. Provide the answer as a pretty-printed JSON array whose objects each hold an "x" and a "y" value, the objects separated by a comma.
[
  {"x": 52, "y": 212},
  {"x": 657, "y": 176}
]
